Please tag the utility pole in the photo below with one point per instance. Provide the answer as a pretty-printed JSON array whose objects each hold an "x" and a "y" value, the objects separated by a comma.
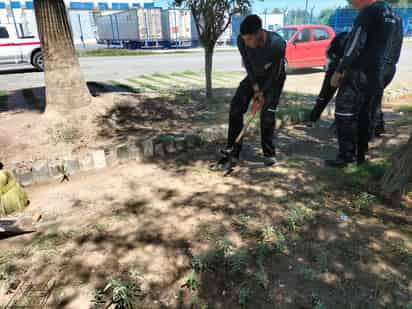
[
  {"x": 265, "y": 12},
  {"x": 311, "y": 15},
  {"x": 306, "y": 11}
]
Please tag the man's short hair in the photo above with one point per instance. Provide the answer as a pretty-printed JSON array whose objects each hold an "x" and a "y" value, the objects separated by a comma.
[{"x": 250, "y": 25}]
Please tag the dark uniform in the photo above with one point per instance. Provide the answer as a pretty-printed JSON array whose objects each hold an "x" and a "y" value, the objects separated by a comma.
[
  {"x": 265, "y": 66},
  {"x": 362, "y": 66},
  {"x": 334, "y": 54},
  {"x": 389, "y": 70}
]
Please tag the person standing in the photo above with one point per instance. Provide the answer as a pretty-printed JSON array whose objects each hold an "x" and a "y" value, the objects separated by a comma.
[
  {"x": 263, "y": 54},
  {"x": 334, "y": 54},
  {"x": 360, "y": 78},
  {"x": 389, "y": 71}
]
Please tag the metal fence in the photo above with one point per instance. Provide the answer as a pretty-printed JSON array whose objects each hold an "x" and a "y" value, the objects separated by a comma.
[{"x": 342, "y": 19}]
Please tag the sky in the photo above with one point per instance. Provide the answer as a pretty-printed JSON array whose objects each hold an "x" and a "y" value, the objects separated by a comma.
[{"x": 259, "y": 6}]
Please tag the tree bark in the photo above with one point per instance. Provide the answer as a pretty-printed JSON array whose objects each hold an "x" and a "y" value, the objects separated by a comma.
[
  {"x": 208, "y": 71},
  {"x": 65, "y": 84},
  {"x": 399, "y": 175}
]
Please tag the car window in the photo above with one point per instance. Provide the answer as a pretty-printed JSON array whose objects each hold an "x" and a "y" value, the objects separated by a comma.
[
  {"x": 286, "y": 33},
  {"x": 303, "y": 36},
  {"x": 320, "y": 34},
  {"x": 4, "y": 33}
]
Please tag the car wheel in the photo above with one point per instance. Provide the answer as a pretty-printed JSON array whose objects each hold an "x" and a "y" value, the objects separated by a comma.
[{"x": 38, "y": 61}]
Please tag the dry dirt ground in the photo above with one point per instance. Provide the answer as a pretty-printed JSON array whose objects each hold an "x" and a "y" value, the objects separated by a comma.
[{"x": 298, "y": 235}]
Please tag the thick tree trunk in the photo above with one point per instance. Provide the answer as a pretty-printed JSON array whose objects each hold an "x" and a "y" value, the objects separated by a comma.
[
  {"x": 65, "y": 84},
  {"x": 397, "y": 178},
  {"x": 209, "y": 70}
]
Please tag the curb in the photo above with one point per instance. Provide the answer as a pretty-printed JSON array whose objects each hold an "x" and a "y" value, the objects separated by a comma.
[{"x": 143, "y": 150}]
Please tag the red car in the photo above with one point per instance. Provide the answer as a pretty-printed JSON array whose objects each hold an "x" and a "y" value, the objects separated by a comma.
[{"x": 306, "y": 45}]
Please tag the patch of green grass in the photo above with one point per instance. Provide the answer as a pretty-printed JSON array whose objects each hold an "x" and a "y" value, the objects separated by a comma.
[
  {"x": 297, "y": 217},
  {"x": 110, "y": 52},
  {"x": 127, "y": 88},
  {"x": 245, "y": 294},
  {"x": 363, "y": 202},
  {"x": 151, "y": 78},
  {"x": 192, "y": 282},
  {"x": 101, "y": 227},
  {"x": 3, "y": 98},
  {"x": 118, "y": 293},
  {"x": 144, "y": 84},
  {"x": 49, "y": 241},
  {"x": 238, "y": 261},
  {"x": 360, "y": 175},
  {"x": 403, "y": 252},
  {"x": 273, "y": 239},
  {"x": 406, "y": 109},
  {"x": 243, "y": 223},
  {"x": 294, "y": 113},
  {"x": 404, "y": 121},
  {"x": 308, "y": 273}
]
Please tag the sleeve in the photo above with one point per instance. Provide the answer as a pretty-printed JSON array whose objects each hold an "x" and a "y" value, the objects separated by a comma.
[
  {"x": 246, "y": 62},
  {"x": 277, "y": 67},
  {"x": 355, "y": 45}
]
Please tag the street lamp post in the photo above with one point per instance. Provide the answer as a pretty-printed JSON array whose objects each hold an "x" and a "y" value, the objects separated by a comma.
[{"x": 306, "y": 12}]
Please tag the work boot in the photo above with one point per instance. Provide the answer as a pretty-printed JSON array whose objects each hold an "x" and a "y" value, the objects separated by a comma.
[
  {"x": 269, "y": 160},
  {"x": 226, "y": 163},
  {"x": 379, "y": 130},
  {"x": 339, "y": 162}
]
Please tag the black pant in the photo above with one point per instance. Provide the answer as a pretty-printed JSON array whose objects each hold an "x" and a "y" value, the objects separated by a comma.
[
  {"x": 240, "y": 105},
  {"x": 325, "y": 96},
  {"x": 377, "y": 121}
]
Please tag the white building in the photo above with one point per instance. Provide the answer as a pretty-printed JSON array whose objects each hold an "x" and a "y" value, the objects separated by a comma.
[
  {"x": 80, "y": 13},
  {"x": 84, "y": 4}
]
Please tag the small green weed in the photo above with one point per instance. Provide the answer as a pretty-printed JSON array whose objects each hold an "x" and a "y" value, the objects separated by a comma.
[
  {"x": 307, "y": 272},
  {"x": 244, "y": 296},
  {"x": 120, "y": 294},
  {"x": 192, "y": 282},
  {"x": 274, "y": 239},
  {"x": 243, "y": 224},
  {"x": 363, "y": 201},
  {"x": 238, "y": 261}
]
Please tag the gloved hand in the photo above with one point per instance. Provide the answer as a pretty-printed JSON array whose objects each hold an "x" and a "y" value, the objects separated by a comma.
[
  {"x": 258, "y": 102},
  {"x": 336, "y": 79}
]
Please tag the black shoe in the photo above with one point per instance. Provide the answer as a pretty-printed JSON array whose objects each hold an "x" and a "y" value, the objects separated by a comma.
[
  {"x": 379, "y": 130},
  {"x": 269, "y": 161},
  {"x": 338, "y": 162},
  {"x": 225, "y": 163}
]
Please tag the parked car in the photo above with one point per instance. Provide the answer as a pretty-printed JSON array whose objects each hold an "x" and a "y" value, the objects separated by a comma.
[
  {"x": 16, "y": 49},
  {"x": 306, "y": 45}
]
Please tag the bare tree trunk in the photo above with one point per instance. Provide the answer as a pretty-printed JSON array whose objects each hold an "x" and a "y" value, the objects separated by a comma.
[
  {"x": 209, "y": 70},
  {"x": 65, "y": 84},
  {"x": 397, "y": 178}
]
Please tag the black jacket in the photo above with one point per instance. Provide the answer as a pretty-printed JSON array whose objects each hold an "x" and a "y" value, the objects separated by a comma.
[{"x": 370, "y": 39}]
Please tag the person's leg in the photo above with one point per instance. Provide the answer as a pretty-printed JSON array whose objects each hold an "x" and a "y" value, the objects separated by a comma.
[
  {"x": 347, "y": 113},
  {"x": 380, "y": 122},
  {"x": 325, "y": 96},
  {"x": 238, "y": 108},
  {"x": 267, "y": 118}
]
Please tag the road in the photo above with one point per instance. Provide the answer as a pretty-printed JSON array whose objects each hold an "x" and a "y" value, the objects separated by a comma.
[{"x": 110, "y": 68}]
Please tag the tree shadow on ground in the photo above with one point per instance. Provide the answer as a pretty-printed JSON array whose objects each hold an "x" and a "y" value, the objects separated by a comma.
[
  {"x": 34, "y": 99},
  {"x": 338, "y": 257},
  {"x": 179, "y": 111}
]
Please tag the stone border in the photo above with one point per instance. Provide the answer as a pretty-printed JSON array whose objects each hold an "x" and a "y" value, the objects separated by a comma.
[{"x": 143, "y": 150}]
